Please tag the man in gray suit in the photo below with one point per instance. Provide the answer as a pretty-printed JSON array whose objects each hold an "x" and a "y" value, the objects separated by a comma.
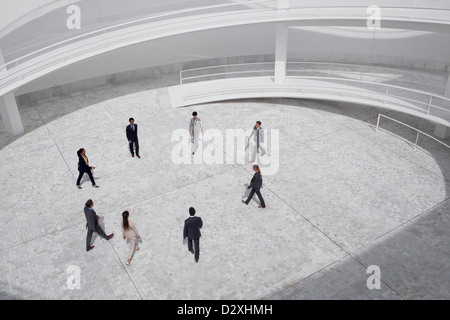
[
  {"x": 259, "y": 138},
  {"x": 92, "y": 224},
  {"x": 192, "y": 226},
  {"x": 195, "y": 128}
]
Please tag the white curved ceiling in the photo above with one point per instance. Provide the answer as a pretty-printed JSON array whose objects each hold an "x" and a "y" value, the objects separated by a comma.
[
  {"x": 67, "y": 53},
  {"x": 15, "y": 13}
]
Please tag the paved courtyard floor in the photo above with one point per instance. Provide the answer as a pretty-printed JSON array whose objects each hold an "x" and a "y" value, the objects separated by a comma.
[{"x": 340, "y": 197}]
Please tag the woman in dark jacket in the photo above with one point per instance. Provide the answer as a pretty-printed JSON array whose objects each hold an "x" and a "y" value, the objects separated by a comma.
[
  {"x": 256, "y": 185},
  {"x": 83, "y": 167}
]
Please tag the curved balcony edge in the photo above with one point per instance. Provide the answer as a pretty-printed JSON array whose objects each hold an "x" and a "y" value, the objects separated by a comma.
[
  {"x": 310, "y": 88},
  {"x": 65, "y": 53}
]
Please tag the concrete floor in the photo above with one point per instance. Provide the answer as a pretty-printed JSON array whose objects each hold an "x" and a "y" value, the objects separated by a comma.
[{"x": 342, "y": 198}]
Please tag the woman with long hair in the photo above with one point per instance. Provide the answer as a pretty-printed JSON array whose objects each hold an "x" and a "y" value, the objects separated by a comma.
[
  {"x": 256, "y": 185},
  {"x": 83, "y": 167},
  {"x": 129, "y": 231}
]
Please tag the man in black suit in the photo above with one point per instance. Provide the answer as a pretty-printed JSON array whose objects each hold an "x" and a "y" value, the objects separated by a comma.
[
  {"x": 92, "y": 224},
  {"x": 132, "y": 137},
  {"x": 192, "y": 226}
]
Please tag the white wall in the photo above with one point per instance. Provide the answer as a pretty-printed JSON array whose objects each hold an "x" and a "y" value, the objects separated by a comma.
[{"x": 407, "y": 48}]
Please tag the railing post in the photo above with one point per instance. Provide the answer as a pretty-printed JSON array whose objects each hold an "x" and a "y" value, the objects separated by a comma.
[
  {"x": 417, "y": 139},
  {"x": 378, "y": 122},
  {"x": 9, "y": 111},
  {"x": 3, "y": 67},
  {"x": 429, "y": 105},
  {"x": 441, "y": 131}
]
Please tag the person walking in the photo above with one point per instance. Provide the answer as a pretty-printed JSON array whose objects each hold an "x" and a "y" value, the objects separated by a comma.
[
  {"x": 132, "y": 137},
  {"x": 195, "y": 127},
  {"x": 255, "y": 186},
  {"x": 92, "y": 224},
  {"x": 259, "y": 138},
  {"x": 83, "y": 167},
  {"x": 129, "y": 231},
  {"x": 191, "y": 232}
]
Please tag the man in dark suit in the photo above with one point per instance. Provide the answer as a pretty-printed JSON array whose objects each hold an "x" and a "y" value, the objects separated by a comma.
[
  {"x": 132, "y": 137},
  {"x": 92, "y": 224},
  {"x": 192, "y": 226}
]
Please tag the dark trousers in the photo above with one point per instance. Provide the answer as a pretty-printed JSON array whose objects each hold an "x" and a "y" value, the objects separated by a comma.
[
  {"x": 81, "y": 174},
  {"x": 258, "y": 193},
  {"x": 196, "y": 246},
  {"x": 100, "y": 232},
  {"x": 136, "y": 146}
]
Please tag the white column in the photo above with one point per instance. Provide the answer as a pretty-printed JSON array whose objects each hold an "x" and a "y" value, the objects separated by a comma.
[
  {"x": 281, "y": 52},
  {"x": 443, "y": 131},
  {"x": 283, "y": 4},
  {"x": 447, "y": 87},
  {"x": 10, "y": 114},
  {"x": 8, "y": 108}
]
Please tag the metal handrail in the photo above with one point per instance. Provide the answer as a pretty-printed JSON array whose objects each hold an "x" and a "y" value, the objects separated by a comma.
[
  {"x": 228, "y": 73},
  {"x": 387, "y": 86},
  {"x": 386, "y": 94},
  {"x": 406, "y": 125},
  {"x": 183, "y": 79},
  {"x": 426, "y": 109},
  {"x": 220, "y": 66}
]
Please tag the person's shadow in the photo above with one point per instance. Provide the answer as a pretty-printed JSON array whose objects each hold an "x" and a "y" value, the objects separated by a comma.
[
  {"x": 101, "y": 223},
  {"x": 247, "y": 193},
  {"x": 86, "y": 178},
  {"x": 138, "y": 243}
]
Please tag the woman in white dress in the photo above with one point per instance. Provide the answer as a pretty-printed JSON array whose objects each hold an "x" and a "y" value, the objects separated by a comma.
[{"x": 129, "y": 231}]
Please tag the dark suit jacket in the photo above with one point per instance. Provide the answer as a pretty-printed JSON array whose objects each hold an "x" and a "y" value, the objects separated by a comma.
[
  {"x": 91, "y": 219},
  {"x": 132, "y": 135},
  {"x": 82, "y": 166},
  {"x": 192, "y": 227},
  {"x": 256, "y": 182}
]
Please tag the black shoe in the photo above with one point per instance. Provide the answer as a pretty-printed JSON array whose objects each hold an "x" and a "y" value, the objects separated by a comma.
[
  {"x": 132, "y": 155},
  {"x": 138, "y": 156}
]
